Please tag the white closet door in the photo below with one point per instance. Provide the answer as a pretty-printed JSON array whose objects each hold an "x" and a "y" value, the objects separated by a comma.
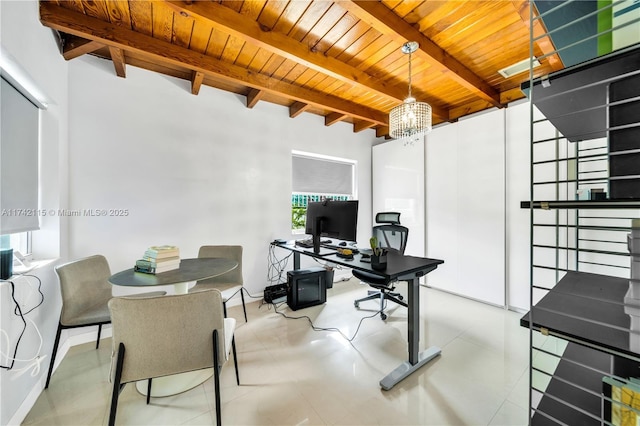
[
  {"x": 466, "y": 207},
  {"x": 398, "y": 185},
  {"x": 518, "y": 174},
  {"x": 442, "y": 205}
]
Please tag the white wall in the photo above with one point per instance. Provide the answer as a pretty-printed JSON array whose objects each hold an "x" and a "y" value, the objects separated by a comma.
[
  {"x": 189, "y": 170},
  {"x": 34, "y": 48}
]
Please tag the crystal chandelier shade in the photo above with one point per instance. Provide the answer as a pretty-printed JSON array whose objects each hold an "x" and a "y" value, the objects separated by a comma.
[{"x": 410, "y": 117}]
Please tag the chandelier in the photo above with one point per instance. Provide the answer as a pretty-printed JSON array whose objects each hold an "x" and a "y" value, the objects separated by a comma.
[{"x": 411, "y": 118}]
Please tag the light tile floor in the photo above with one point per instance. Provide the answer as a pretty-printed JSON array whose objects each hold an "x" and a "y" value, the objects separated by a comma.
[{"x": 293, "y": 375}]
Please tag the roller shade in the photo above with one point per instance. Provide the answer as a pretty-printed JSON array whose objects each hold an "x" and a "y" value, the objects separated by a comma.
[
  {"x": 321, "y": 176},
  {"x": 18, "y": 162}
]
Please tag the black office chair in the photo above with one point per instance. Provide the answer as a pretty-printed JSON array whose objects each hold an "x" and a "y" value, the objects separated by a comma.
[{"x": 392, "y": 236}]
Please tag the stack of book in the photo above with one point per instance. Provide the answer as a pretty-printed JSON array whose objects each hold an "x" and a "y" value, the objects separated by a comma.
[{"x": 158, "y": 259}]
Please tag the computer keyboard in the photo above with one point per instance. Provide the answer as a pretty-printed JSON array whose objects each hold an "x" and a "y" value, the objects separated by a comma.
[
  {"x": 309, "y": 243},
  {"x": 336, "y": 247},
  {"x": 304, "y": 243},
  {"x": 328, "y": 244}
]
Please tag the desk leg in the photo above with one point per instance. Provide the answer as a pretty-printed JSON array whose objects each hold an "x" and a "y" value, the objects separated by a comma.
[
  {"x": 413, "y": 323},
  {"x": 296, "y": 260},
  {"x": 178, "y": 383},
  {"x": 416, "y": 359}
]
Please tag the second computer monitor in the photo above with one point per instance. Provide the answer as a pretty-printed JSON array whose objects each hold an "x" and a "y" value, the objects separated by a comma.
[{"x": 332, "y": 219}]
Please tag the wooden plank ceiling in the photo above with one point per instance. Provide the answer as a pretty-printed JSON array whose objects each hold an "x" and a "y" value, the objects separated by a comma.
[{"x": 338, "y": 59}]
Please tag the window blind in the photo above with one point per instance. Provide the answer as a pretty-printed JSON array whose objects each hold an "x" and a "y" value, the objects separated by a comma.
[
  {"x": 321, "y": 176},
  {"x": 18, "y": 162}
]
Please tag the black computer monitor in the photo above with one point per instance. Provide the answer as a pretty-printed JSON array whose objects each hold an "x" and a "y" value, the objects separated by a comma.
[{"x": 332, "y": 219}]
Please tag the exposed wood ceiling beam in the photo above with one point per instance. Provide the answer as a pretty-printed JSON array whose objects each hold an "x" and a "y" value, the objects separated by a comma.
[
  {"x": 480, "y": 104},
  {"x": 511, "y": 95},
  {"x": 298, "y": 108},
  {"x": 234, "y": 23},
  {"x": 117, "y": 56},
  {"x": 253, "y": 97},
  {"x": 382, "y": 131},
  {"x": 78, "y": 24},
  {"x": 78, "y": 46},
  {"x": 196, "y": 81},
  {"x": 362, "y": 125},
  {"x": 383, "y": 19},
  {"x": 333, "y": 118}
]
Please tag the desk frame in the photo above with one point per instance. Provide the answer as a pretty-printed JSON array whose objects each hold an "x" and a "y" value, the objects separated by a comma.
[{"x": 402, "y": 268}]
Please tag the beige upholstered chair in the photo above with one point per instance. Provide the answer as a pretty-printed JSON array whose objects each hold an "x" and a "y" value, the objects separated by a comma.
[
  {"x": 85, "y": 292},
  {"x": 166, "y": 335},
  {"x": 230, "y": 283}
]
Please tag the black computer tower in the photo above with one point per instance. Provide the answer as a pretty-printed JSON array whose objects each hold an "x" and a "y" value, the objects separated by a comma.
[{"x": 306, "y": 287}]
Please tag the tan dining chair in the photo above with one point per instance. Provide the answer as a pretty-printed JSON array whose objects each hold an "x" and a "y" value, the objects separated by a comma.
[
  {"x": 85, "y": 290},
  {"x": 149, "y": 343},
  {"x": 230, "y": 283}
]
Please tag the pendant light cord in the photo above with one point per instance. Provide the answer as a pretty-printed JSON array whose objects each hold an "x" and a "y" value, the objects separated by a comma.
[{"x": 410, "y": 74}]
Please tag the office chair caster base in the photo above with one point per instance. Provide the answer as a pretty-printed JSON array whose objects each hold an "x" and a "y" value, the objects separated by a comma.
[
  {"x": 383, "y": 316},
  {"x": 356, "y": 304}
]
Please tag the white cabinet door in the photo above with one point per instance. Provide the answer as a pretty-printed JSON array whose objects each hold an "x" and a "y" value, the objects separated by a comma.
[
  {"x": 398, "y": 185},
  {"x": 442, "y": 177},
  {"x": 465, "y": 209},
  {"x": 518, "y": 174}
]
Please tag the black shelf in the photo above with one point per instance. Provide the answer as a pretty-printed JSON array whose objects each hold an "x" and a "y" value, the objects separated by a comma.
[
  {"x": 627, "y": 203},
  {"x": 575, "y": 99},
  {"x": 599, "y": 98},
  {"x": 566, "y": 399},
  {"x": 587, "y": 308}
]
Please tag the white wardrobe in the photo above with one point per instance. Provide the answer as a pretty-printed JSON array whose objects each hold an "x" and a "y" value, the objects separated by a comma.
[
  {"x": 398, "y": 186},
  {"x": 467, "y": 210}
]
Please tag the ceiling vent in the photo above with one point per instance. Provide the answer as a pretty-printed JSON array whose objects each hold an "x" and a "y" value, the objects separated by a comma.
[{"x": 514, "y": 69}]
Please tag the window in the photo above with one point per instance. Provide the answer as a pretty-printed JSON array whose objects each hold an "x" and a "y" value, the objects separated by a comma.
[
  {"x": 18, "y": 169},
  {"x": 317, "y": 178},
  {"x": 18, "y": 242}
]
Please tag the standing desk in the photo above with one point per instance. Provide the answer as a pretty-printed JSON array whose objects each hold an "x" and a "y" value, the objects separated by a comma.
[{"x": 401, "y": 268}]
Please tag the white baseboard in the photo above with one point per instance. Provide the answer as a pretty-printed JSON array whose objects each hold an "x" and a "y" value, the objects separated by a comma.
[
  {"x": 28, "y": 403},
  {"x": 65, "y": 345}
]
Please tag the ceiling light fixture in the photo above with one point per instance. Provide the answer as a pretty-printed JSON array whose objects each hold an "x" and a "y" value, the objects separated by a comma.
[
  {"x": 410, "y": 119},
  {"x": 519, "y": 67}
]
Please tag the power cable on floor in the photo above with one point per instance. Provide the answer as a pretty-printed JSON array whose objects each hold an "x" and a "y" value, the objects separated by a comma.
[{"x": 333, "y": 329}]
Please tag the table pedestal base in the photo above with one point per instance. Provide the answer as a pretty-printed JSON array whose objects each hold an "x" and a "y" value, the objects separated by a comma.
[
  {"x": 406, "y": 368},
  {"x": 173, "y": 385}
]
